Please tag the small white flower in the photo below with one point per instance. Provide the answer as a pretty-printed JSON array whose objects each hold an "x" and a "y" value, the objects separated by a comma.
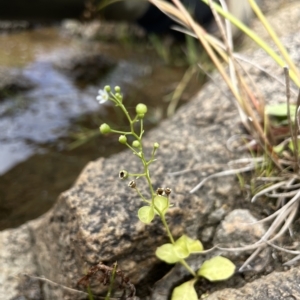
[{"x": 102, "y": 96}]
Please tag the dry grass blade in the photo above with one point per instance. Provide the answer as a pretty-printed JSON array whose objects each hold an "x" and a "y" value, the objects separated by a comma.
[
  {"x": 251, "y": 166},
  {"x": 43, "y": 279},
  {"x": 275, "y": 39},
  {"x": 268, "y": 189}
]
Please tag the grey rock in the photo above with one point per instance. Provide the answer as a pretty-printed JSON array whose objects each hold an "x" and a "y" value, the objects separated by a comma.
[
  {"x": 13, "y": 81},
  {"x": 17, "y": 259},
  {"x": 83, "y": 66},
  {"x": 276, "y": 286},
  {"x": 216, "y": 216},
  {"x": 239, "y": 230},
  {"x": 102, "y": 30}
]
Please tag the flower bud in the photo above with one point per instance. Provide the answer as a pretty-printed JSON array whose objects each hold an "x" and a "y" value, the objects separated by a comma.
[
  {"x": 119, "y": 97},
  {"x": 117, "y": 89},
  {"x": 156, "y": 145},
  {"x": 104, "y": 128},
  {"x": 123, "y": 139},
  {"x": 136, "y": 144},
  {"x": 141, "y": 109},
  {"x": 107, "y": 88},
  {"x": 123, "y": 174}
]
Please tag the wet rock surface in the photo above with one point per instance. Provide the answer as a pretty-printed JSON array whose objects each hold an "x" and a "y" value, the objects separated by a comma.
[
  {"x": 84, "y": 67},
  {"x": 13, "y": 81}
]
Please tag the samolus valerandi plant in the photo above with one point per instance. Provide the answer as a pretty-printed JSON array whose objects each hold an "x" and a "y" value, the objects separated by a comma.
[{"x": 158, "y": 204}]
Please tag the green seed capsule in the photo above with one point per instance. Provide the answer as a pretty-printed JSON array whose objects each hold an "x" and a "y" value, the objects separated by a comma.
[{"x": 123, "y": 174}]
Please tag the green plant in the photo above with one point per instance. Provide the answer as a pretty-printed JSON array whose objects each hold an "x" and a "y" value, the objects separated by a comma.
[{"x": 177, "y": 250}]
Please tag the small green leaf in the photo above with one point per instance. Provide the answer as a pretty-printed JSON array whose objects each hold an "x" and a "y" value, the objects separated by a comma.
[
  {"x": 280, "y": 110},
  {"x": 291, "y": 146},
  {"x": 217, "y": 268},
  {"x": 146, "y": 214},
  {"x": 181, "y": 247},
  {"x": 184, "y": 246},
  {"x": 278, "y": 149},
  {"x": 185, "y": 291},
  {"x": 167, "y": 253},
  {"x": 161, "y": 204},
  {"x": 194, "y": 246}
]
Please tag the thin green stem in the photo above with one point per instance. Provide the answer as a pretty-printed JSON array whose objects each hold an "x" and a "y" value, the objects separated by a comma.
[
  {"x": 148, "y": 178},
  {"x": 142, "y": 128},
  {"x": 131, "y": 148},
  {"x": 184, "y": 263},
  {"x": 121, "y": 132},
  {"x": 151, "y": 161},
  {"x": 143, "y": 198},
  {"x": 111, "y": 283},
  {"x": 136, "y": 175},
  {"x": 128, "y": 117},
  {"x": 90, "y": 293},
  {"x": 139, "y": 138},
  {"x": 167, "y": 229}
]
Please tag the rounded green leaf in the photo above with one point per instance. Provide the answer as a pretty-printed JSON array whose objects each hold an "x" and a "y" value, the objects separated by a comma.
[
  {"x": 161, "y": 204},
  {"x": 217, "y": 268},
  {"x": 181, "y": 247},
  {"x": 146, "y": 214},
  {"x": 184, "y": 246},
  {"x": 280, "y": 110},
  {"x": 195, "y": 246},
  {"x": 167, "y": 253},
  {"x": 185, "y": 291}
]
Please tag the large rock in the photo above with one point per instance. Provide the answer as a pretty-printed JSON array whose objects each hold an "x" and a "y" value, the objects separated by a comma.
[{"x": 96, "y": 219}]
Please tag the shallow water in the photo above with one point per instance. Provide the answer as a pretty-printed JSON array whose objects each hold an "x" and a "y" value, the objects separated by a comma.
[{"x": 38, "y": 126}]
